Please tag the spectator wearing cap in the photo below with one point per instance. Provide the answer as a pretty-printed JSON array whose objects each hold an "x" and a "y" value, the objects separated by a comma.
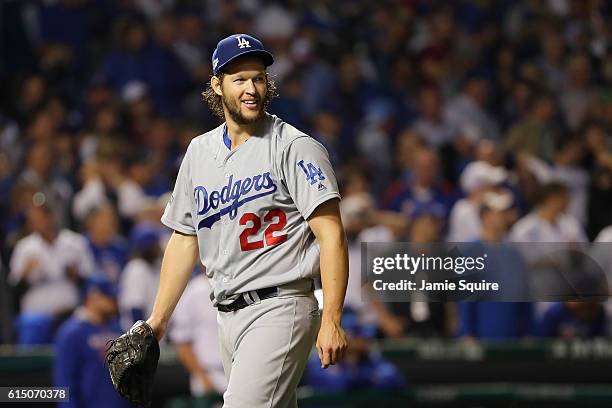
[
  {"x": 140, "y": 278},
  {"x": 360, "y": 369},
  {"x": 47, "y": 265},
  {"x": 80, "y": 348},
  {"x": 426, "y": 222},
  {"x": 477, "y": 178},
  {"x": 490, "y": 320}
]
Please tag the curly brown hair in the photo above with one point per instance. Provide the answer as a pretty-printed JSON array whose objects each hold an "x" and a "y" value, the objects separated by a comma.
[{"x": 215, "y": 102}]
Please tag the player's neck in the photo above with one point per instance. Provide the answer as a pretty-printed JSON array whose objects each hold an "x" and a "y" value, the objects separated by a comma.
[{"x": 239, "y": 134}]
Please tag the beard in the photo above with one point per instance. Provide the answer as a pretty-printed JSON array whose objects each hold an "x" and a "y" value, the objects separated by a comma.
[{"x": 237, "y": 116}]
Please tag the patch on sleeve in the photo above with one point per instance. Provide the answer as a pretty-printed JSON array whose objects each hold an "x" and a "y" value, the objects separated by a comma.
[{"x": 314, "y": 174}]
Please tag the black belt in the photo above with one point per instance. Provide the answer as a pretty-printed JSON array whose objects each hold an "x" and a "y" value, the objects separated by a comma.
[{"x": 241, "y": 302}]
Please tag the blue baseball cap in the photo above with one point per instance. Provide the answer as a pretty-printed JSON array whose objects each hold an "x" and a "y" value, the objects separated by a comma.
[
  {"x": 422, "y": 208},
  {"x": 143, "y": 236},
  {"x": 99, "y": 283},
  {"x": 237, "y": 45}
]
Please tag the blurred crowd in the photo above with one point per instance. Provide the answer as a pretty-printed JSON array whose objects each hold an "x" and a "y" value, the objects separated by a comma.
[{"x": 445, "y": 121}]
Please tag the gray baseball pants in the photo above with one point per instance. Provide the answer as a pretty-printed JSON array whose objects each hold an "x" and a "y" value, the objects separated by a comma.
[{"x": 265, "y": 347}]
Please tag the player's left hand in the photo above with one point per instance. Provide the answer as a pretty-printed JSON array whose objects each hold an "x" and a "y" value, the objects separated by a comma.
[{"x": 331, "y": 343}]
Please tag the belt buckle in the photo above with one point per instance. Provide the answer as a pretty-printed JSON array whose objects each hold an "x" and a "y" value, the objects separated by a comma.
[
  {"x": 251, "y": 297},
  {"x": 231, "y": 307}
]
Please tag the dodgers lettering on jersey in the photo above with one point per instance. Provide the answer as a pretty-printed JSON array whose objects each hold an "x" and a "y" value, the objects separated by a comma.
[
  {"x": 231, "y": 194},
  {"x": 249, "y": 206}
]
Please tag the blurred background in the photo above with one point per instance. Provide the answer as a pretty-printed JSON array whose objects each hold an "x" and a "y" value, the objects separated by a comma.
[{"x": 445, "y": 121}]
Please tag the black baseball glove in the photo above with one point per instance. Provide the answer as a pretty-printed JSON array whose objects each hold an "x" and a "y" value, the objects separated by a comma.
[{"x": 132, "y": 361}]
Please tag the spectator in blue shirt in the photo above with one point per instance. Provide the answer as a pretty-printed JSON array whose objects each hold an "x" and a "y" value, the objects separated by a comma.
[
  {"x": 419, "y": 184},
  {"x": 80, "y": 349},
  {"x": 487, "y": 320},
  {"x": 360, "y": 369},
  {"x": 110, "y": 250},
  {"x": 570, "y": 320}
]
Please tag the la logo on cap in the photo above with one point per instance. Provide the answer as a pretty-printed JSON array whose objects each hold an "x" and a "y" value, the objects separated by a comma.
[{"x": 242, "y": 43}]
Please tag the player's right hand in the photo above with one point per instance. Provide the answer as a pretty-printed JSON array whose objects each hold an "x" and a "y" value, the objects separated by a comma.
[{"x": 331, "y": 343}]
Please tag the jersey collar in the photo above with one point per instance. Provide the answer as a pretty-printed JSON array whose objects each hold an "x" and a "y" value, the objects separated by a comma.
[
  {"x": 222, "y": 153},
  {"x": 224, "y": 147},
  {"x": 226, "y": 139}
]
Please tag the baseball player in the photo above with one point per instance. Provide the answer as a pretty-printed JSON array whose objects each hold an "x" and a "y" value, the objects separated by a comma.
[{"x": 257, "y": 201}]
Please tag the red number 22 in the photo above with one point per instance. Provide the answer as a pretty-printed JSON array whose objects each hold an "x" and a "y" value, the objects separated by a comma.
[{"x": 270, "y": 238}]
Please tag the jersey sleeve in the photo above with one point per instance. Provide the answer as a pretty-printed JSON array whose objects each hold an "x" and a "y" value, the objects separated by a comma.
[
  {"x": 308, "y": 174},
  {"x": 178, "y": 212}
]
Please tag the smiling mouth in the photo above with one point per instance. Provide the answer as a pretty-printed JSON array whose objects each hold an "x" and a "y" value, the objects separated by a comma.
[{"x": 251, "y": 104}]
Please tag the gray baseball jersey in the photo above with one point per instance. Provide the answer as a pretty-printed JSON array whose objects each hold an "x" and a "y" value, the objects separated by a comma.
[{"x": 249, "y": 206}]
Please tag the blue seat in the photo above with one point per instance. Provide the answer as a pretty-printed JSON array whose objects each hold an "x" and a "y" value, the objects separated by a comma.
[{"x": 34, "y": 328}]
